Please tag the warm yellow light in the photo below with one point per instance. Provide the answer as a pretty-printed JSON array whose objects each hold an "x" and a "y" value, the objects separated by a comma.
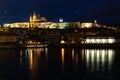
[
  {"x": 86, "y": 25},
  {"x": 73, "y": 54},
  {"x": 83, "y": 55},
  {"x": 30, "y": 42},
  {"x": 62, "y": 42},
  {"x": 62, "y": 56},
  {"x": 31, "y": 59}
]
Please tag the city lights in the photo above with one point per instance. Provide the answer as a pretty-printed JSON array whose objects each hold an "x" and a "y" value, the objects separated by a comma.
[{"x": 99, "y": 41}]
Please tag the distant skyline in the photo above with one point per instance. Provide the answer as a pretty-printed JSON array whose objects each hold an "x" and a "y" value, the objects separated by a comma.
[{"x": 104, "y": 11}]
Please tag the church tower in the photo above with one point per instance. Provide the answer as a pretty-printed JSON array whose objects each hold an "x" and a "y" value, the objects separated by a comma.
[
  {"x": 31, "y": 18},
  {"x": 34, "y": 17},
  {"x": 37, "y": 18}
]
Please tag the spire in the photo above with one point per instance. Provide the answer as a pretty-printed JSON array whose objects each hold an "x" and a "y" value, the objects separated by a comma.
[
  {"x": 34, "y": 17},
  {"x": 30, "y": 18},
  {"x": 34, "y": 14}
]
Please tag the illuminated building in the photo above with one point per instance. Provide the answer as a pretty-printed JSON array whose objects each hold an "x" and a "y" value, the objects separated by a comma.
[
  {"x": 37, "y": 18},
  {"x": 99, "y": 40},
  {"x": 60, "y": 20},
  {"x": 34, "y": 21},
  {"x": 86, "y": 25},
  {"x": 41, "y": 22}
]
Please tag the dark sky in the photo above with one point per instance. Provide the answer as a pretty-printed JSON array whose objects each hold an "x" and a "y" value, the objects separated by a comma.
[{"x": 104, "y": 11}]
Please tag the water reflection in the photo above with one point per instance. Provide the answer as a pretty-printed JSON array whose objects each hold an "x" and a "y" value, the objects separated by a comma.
[
  {"x": 21, "y": 58},
  {"x": 73, "y": 55},
  {"x": 62, "y": 56},
  {"x": 94, "y": 59},
  {"x": 32, "y": 59},
  {"x": 83, "y": 55},
  {"x": 52, "y": 61},
  {"x": 59, "y": 64},
  {"x": 97, "y": 59},
  {"x": 35, "y": 55}
]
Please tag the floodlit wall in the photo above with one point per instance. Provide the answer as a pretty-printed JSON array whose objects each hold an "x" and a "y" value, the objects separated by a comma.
[
  {"x": 63, "y": 25},
  {"x": 87, "y": 25},
  {"x": 51, "y": 25},
  {"x": 17, "y": 25}
]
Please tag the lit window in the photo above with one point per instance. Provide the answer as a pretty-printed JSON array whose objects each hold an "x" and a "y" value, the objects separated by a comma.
[{"x": 111, "y": 40}]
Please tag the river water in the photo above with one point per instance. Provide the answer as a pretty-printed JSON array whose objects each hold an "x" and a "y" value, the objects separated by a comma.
[{"x": 59, "y": 64}]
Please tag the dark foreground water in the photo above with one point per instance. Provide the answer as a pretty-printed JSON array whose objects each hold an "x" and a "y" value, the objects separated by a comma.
[{"x": 59, "y": 64}]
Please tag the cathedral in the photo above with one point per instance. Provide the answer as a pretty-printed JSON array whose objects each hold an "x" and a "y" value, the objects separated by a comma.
[{"x": 36, "y": 18}]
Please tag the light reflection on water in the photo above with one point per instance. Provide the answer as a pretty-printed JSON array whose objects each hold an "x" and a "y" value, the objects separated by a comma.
[
  {"x": 59, "y": 64},
  {"x": 32, "y": 58},
  {"x": 99, "y": 58},
  {"x": 44, "y": 60},
  {"x": 62, "y": 56}
]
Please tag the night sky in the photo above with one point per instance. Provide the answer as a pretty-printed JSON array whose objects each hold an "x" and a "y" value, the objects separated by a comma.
[{"x": 104, "y": 11}]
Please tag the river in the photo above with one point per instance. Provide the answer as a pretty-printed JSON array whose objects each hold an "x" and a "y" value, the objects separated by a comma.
[{"x": 59, "y": 64}]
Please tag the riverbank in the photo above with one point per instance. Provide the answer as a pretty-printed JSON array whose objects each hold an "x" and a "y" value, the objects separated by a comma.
[
  {"x": 62, "y": 45},
  {"x": 87, "y": 45}
]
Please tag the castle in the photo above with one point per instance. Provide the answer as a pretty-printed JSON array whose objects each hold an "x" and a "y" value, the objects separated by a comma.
[{"x": 36, "y": 18}]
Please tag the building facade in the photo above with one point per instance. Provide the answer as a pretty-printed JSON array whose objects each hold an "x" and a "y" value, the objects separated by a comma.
[{"x": 41, "y": 22}]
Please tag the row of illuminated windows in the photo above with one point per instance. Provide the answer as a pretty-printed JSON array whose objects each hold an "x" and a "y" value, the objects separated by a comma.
[
  {"x": 98, "y": 41},
  {"x": 51, "y": 25}
]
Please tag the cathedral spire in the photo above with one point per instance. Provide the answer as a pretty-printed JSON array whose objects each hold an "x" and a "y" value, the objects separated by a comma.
[
  {"x": 34, "y": 14},
  {"x": 36, "y": 18}
]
